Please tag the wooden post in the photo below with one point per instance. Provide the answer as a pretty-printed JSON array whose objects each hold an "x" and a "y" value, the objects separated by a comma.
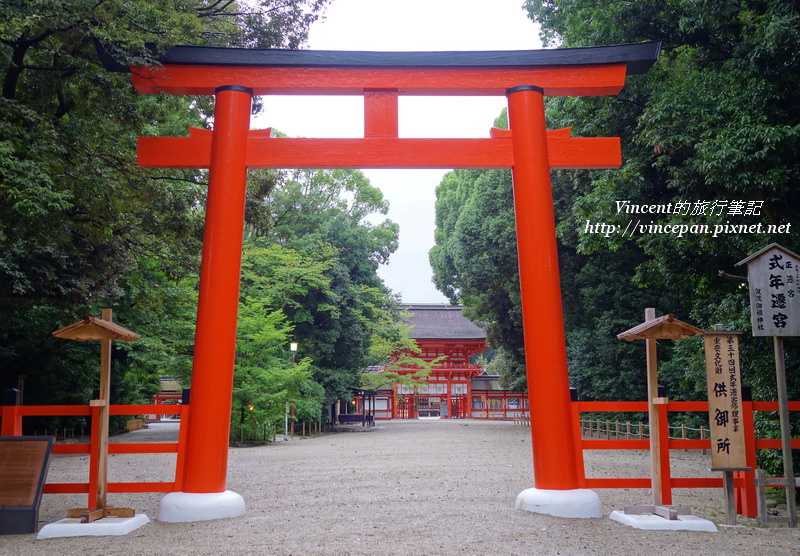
[
  {"x": 786, "y": 435},
  {"x": 11, "y": 424},
  {"x": 703, "y": 437},
  {"x": 665, "y": 472},
  {"x": 652, "y": 412},
  {"x": 183, "y": 430},
  {"x": 746, "y": 503},
  {"x": 730, "y": 501},
  {"x": 761, "y": 494},
  {"x": 103, "y": 403}
]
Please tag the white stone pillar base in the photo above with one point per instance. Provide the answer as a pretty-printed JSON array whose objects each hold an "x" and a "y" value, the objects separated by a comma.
[
  {"x": 178, "y": 507},
  {"x": 581, "y": 503}
]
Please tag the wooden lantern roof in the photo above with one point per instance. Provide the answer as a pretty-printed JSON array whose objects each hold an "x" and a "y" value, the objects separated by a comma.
[
  {"x": 666, "y": 327},
  {"x": 91, "y": 328}
]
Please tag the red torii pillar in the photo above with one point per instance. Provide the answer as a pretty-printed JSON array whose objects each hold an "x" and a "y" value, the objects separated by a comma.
[
  {"x": 542, "y": 318},
  {"x": 528, "y": 149}
]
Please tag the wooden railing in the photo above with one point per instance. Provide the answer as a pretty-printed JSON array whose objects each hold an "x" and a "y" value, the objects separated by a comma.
[{"x": 744, "y": 481}]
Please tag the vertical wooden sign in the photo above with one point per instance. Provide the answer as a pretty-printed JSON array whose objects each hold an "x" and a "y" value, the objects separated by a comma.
[
  {"x": 774, "y": 277},
  {"x": 724, "y": 400}
]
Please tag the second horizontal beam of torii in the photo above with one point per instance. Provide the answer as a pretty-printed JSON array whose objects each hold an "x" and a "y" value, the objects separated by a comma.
[{"x": 264, "y": 151}]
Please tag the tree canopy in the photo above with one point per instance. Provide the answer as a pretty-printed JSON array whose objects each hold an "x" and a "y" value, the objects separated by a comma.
[
  {"x": 322, "y": 216},
  {"x": 713, "y": 126},
  {"x": 82, "y": 227}
]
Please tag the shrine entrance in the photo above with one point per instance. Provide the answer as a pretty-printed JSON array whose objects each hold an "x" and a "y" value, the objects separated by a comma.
[
  {"x": 431, "y": 407},
  {"x": 234, "y": 76}
]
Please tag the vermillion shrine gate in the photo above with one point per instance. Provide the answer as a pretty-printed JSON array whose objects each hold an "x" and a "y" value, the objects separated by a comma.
[
  {"x": 234, "y": 76},
  {"x": 441, "y": 333}
]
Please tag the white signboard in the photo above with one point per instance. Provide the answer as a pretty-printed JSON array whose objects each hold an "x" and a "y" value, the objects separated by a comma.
[{"x": 774, "y": 277}]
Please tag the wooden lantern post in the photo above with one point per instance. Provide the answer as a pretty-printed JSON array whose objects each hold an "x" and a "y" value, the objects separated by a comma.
[
  {"x": 654, "y": 329},
  {"x": 91, "y": 328}
]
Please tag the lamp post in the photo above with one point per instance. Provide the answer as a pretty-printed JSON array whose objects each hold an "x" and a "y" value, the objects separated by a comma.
[{"x": 293, "y": 349}]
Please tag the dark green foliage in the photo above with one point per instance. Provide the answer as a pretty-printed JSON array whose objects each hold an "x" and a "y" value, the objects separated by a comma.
[
  {"x": 81, "y": 227},
  {"x": 717, "y": 119},
  {"x": 322, "y": 215}
]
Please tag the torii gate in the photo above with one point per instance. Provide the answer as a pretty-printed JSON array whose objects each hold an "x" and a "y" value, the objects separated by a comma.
[{"x": 234, "y": 76}]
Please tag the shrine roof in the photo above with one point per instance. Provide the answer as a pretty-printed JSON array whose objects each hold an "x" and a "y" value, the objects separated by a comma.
[
  {"x": 638, "y": 57},
  {"x": 486, "y": 382},
  {"x": 441, "y": 322}
]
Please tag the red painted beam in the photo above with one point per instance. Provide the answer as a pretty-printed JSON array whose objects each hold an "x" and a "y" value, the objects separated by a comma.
[
  {"x": 689, "y": 444},
  {"x": 601, "y": 444},
  {"x": 83, "y": 410},
  {"x": 775, "y": 444},
  {"x": 468, "y": 81},
  {"x": 71, "y": 448},
  {"x": 688, "y": 406},
  {"x": 143, "y": 448},
  {"x": 696, "y": 482},
  {"x": 83, "y": 488},
  {"x": 142, "y": 487},
  {"x": 195, "y": 152},
  {"x": 66, "y": 488},
  {"x": 54, "y": 410},
  {"x": 773, "y": 406},
  {"x": 618, "y": 483},
  {"x": 148, "y": 409},
  {"x": 640, "y": 407}
]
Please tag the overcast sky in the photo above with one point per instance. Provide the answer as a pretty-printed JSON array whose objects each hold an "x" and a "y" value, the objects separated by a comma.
[{"x": 407, "y": 25}]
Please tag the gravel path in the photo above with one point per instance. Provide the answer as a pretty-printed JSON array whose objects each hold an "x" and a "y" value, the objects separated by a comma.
[{"x": 404, "y": 487}]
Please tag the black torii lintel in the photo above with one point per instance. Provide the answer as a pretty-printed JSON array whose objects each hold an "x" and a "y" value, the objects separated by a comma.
[{"x": 639, "y": 57}]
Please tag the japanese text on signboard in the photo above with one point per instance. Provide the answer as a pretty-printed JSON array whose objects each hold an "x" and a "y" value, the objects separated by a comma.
[
  {"x": 724, "y": 401},
  {"x": 774, "y": 278}
]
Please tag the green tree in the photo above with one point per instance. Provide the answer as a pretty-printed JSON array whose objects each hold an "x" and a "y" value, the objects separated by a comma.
[
  {"x": 267, "y": 377},
  {"x": 398, "y": 358},
  {"x": 715, "y": 123},
  {"x": 713, "y": 126},
  {"x": 475, "y": 259},
  {"x": 715, "y": 120},
  {"x": 313, "y": 212},
  {"x": 81, "y": 227}
]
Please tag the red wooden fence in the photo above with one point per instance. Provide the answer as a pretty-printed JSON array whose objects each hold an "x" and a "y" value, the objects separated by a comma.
[
  {"x": 11, "y": 425},
  {"x": 744, "y": 482},
  {"x": 746, "y": 503}
]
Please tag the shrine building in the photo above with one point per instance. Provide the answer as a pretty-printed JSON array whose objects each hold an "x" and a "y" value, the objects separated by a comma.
[{"x": 458, "y": 386}]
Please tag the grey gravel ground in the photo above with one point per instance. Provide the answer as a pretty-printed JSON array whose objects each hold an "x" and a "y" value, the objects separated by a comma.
[{"x": 405, "y": 487}]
